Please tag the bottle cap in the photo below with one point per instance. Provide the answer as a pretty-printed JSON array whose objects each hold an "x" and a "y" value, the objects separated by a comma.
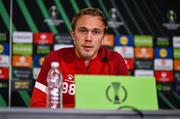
[{"x": 54, "y": 64}]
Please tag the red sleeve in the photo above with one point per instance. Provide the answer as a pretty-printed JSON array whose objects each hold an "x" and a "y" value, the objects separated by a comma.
[
  {"x": 38, "y": 98},
  {"x": 44, "y": 71}
]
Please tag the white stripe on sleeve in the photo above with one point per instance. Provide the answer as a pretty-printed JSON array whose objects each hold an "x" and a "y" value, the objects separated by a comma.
[{"x": 41, "y": 87}]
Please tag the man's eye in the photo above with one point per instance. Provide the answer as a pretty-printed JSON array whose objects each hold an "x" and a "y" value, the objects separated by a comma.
[
  {"x": 96, "y": 32},
  {"x": 82, "y": 30}
]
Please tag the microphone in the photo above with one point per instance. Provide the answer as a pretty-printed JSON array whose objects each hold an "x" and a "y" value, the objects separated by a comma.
[{"x": 106, "y": 60}]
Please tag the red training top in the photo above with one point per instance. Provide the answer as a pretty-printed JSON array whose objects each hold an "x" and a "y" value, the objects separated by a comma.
[{"x": 107, "y": 62}]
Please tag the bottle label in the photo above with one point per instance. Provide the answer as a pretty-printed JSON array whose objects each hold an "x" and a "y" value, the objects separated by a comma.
[{"x": 54, "y": 97}]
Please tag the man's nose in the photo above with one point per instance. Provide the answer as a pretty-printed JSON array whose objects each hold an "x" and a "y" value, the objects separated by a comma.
[{"x": 89, "y": 36}]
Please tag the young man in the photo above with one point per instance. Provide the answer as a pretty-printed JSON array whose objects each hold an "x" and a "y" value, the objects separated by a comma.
[{"x": 86, "y": 57}]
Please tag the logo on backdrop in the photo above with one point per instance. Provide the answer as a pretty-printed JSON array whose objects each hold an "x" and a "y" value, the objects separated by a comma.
[
  {"x": 53, "y": 20},
  {"x": 116, "y": 93},
  {"x": 171, "y": 25},
  {"x": 113, "y": 22},
  {"x": 1, "y": 48}
]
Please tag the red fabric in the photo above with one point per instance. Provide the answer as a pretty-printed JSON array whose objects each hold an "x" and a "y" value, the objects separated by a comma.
[
  {"x": 70, "y": 64},
  {"x": 38, "y": 98}
]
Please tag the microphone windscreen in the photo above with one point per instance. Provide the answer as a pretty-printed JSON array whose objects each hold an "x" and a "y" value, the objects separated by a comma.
[{"x": 105, "y": 59}]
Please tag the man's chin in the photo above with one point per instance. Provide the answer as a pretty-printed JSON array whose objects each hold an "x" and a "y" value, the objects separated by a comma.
[{"x": 87, "y": 56}]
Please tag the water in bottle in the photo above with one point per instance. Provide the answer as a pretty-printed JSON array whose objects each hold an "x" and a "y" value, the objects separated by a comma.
[{"x": 54, "y": 92}]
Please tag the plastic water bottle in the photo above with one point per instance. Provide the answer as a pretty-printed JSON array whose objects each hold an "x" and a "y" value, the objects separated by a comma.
[{"x": 54, "y": 92}]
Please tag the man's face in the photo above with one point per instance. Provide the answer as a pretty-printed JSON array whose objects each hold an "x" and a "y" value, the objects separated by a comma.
[{"x": 87, "y": 36}]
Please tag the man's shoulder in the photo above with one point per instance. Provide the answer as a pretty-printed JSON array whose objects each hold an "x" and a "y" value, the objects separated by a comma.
[
  {"x": 112, "y": 55},
  {"x": 109, "y": 52}
]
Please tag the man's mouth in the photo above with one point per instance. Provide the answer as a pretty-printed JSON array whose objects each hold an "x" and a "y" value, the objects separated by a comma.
[{"x": 87, "y": 48}]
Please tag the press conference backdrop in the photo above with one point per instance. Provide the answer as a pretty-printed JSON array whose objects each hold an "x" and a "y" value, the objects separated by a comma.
[{"x": 145, "y": 32}]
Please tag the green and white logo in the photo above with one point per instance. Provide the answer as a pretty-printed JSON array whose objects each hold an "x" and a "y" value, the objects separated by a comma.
[
  {"x": 176, "y": 53},
  {"x": 22, "y": 49},
  {"x": 116, "y": 93},
  {"x": 3, "y": 37},
  {"x": 143, "y": 41}
]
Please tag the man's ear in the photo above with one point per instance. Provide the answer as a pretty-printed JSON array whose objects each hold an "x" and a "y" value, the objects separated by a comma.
[{"x": 72, "y": 35}]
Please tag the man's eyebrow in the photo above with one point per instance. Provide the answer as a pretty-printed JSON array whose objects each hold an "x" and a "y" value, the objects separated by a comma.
[
  {"x": 82, "y": 28},
  {"x": 96, "y": 29}
]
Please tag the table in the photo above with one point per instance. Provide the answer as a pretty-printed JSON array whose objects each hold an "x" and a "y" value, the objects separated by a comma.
[{"x": 35, "y": 113}]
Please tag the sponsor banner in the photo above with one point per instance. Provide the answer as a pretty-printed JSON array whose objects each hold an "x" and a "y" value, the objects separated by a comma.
[
  {"x": 177, "y": 76},
  {"x": 43, "y": 38},
  {"x": 22, "y": 49},
  {"x": 143, "y": 41},
  {"x": 176, "y": 53},
  {"x": 163, "y": 42},
  {"x": 22, "y": 61},
  {"x": 177, "y": 65},
  {"x": 3, "y": 37},
  {"x": 143, "y": 64},
  {"x": 163, "y": 64},
  {"x": 124, "y": 40},
  {"x": 63, "y": 38},
  {"x": 177, "y": 88},
  {"x": 108, "y": 40},
  {"x": 4, "y": 61},
  {"x": 59, "y": 46},
  {"x": 36, "y": 71},
  {"x": 176, "y": 41},
  {"x": 22, "y": 73},
  {"x": 4, "y": 73},
  {"x": 165, "y": 87},
  {"x": 163, "y": 52},
  {"x": 38, "y": 60},
  {"x": 4, "y": 48},
  {"x": 129, "y": 63},
  {"x": 144, "y": 73},
  {"x": 125, "y": 51},
  {"x": 21, "y": 85},
  {"x": 42, "y": 49},
  {"x": 4, "y": 84},
  {"x": 164, "y": 76},
  {"x": 143, "y": 53},
  {"x": 22, "y": 37}
]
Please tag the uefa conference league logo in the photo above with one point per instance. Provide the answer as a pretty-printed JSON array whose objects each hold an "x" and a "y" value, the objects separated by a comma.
[
  {"x": 113, "y": 22},
  {"x": 53, "y": 20},
  {"x": 171, "y": 25},
  {"x": 116, "y": 93}
]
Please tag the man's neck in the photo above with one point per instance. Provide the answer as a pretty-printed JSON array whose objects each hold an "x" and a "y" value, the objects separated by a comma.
[{"x": 86, "y": 63}]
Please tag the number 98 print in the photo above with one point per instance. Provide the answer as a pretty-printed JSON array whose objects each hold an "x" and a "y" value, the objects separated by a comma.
[{"x": 68, "y": 88}]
